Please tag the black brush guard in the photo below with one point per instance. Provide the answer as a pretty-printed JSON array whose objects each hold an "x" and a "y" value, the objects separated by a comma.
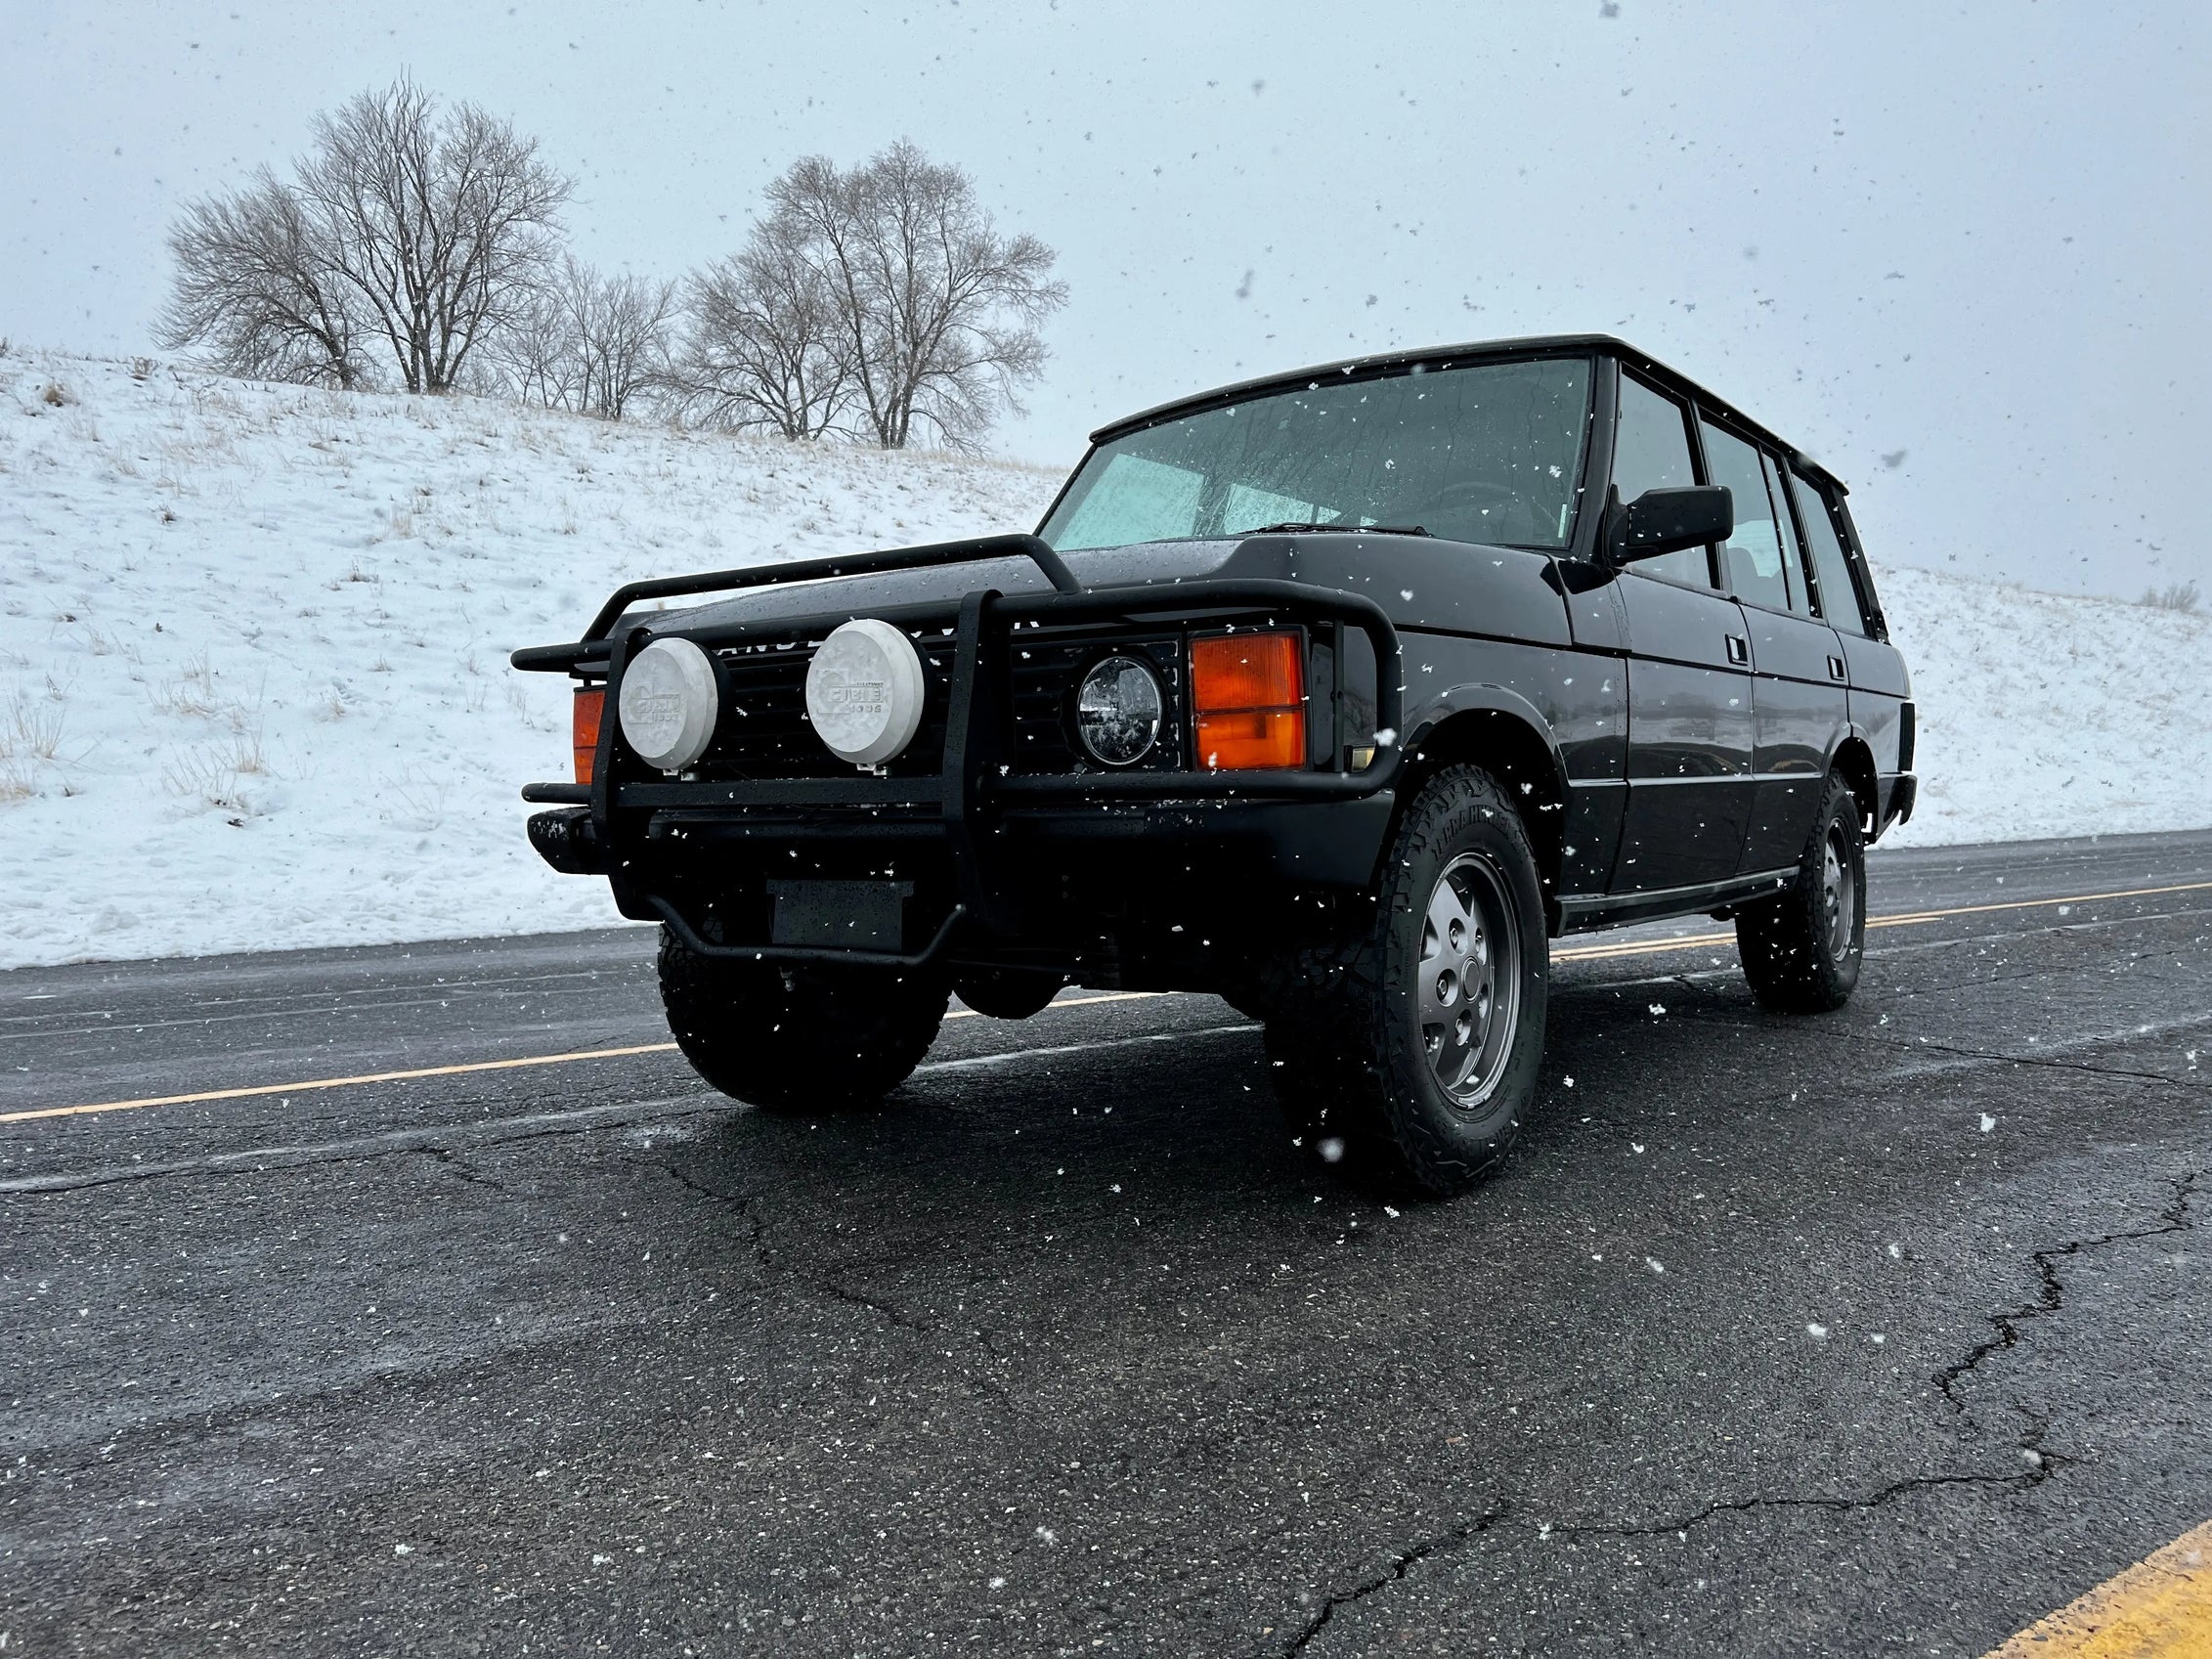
[{"x": 966, "y": 789}]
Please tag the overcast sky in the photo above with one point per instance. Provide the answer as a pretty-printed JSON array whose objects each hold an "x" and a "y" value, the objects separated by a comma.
[{"x": 1959, "y": 253}]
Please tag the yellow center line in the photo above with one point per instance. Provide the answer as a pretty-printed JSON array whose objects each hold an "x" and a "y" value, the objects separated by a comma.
[
  {"x": 1904, "y": 919},
  {"x": 2159, "y": 1608},
  {"x": 1571, "y": 953},
  {"x": 438, "y": 1071}
]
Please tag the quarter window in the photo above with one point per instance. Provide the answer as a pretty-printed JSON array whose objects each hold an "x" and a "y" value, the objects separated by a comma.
[
  {"x": 1752, "y": 558},
  {"x": 1651, "y": 451},
  {"x": 1838, "y": 594}
]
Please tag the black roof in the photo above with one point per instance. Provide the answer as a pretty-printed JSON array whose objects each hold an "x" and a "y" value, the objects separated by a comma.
[{"x": 1396, "y": 361}]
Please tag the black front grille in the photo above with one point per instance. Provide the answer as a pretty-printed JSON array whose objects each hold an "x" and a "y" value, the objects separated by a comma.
[{"x": 764, "y": 732}]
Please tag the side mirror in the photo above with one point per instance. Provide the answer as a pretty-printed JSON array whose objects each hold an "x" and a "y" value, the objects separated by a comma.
[{"x": 1666, "y": 521}]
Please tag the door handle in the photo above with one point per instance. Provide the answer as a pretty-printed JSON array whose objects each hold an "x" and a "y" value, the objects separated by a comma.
[
  {"x": 1738, "y": 650},
  {"x": 1835, "y": 667}
]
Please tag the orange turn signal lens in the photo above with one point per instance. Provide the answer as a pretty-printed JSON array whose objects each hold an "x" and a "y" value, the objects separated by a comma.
[
  {"x": 1248, "y": 697},
  {"x": 591, "y": 704}
]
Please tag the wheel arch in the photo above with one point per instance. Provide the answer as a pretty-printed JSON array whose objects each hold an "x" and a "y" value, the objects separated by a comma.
[
  {"x": 1497, "y": 729},
  {"x": 1853, "y": 760}
]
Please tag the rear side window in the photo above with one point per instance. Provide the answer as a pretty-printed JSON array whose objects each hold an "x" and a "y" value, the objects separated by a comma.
[
  {"x": 1651, "y": 451},
  {"x": 1793, "y": 545},
  {"x": 1838, "y": 594},
  {"x": 1752, "y": 558}
]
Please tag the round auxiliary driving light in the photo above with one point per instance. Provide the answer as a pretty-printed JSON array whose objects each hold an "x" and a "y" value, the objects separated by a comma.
[
  {"x": 1117, "y": 711},
  {"x": 864, "y": 691},
  {"x": 669, "y": 704}
]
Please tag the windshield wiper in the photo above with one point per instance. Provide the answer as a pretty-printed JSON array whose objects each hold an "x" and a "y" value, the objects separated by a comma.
[{"x": 1293, "y": 525}]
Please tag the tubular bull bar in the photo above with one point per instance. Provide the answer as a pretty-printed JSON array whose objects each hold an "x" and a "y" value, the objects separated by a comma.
[{"x": 969, "y": 788}]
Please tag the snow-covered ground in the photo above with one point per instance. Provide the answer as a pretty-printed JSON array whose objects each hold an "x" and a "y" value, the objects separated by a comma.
[
  {"x": 2047, "y": 714},
  {"x": 253, "y": 639},
  {"x": 253, "y": 682}
]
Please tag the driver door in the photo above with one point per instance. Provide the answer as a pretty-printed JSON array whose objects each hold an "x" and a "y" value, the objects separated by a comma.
[{"x": 1690, "y": 783}]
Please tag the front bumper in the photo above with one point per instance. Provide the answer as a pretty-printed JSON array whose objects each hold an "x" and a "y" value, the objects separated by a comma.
[{"x": 994, "y": 834}]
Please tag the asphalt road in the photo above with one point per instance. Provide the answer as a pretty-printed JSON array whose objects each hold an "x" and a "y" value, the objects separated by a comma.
[{"x": 1881, "y": 1332}]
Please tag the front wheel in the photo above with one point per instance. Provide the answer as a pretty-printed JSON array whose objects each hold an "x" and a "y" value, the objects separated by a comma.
[
  {"x": 808, "y": 1039},
  {"x": 1802, "y": 948},
  {"x": 1411, "y": 1050}
]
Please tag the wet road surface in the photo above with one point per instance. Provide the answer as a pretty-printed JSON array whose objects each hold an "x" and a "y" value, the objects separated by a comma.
[{"x": 1881, "y": 1332}]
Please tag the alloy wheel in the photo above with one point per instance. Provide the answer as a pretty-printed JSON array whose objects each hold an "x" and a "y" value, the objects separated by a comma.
[{"x": 1470, "y": 979}]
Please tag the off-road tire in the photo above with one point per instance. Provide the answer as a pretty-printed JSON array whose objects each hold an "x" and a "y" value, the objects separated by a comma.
[
  {"x": 805, "y": 1038},
  {"x": 1801, "y": 949},
  {"x": 1359, "y": 1083}
]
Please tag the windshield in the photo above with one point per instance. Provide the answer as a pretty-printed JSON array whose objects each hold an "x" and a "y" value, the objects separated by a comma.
[{"x": 1490, "y": 452}]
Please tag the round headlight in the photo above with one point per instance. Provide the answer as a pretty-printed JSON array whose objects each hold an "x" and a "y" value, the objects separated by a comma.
[
  {"x": 669, "y": 704},
  {"x": 864, "y": 691},
  {"x": 1117, "y": 711}
]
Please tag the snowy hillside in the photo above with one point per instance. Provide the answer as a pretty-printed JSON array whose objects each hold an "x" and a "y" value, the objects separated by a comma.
[
  {"x": 2047, "y": 714},
  {"x": 253, "y": 682},
  {"x": 253, "y": 640}
]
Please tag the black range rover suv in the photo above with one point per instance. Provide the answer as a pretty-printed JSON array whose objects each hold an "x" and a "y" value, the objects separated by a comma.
[{"x": 1337, "y": 693}]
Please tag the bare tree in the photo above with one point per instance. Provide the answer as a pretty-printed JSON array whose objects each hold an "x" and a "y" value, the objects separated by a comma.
[
  {"x": 588, "y": 342},
  {"x": 442, "y": 225},
  {"x": 764, "y": 344},
  {"x": 254, "y": 289},
  {"x": 431, "y": 232},
  {"x": 939, "y": 312}
]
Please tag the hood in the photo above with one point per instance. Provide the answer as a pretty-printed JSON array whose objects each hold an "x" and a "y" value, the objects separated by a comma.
[{"x": 1419, "y": 582}]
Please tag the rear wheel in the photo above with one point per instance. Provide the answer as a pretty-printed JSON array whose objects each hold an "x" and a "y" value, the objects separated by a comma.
[
  {"x": 813, "y": 1037},
  {"x": 1411, "y": 1051},
  {"x": 1802, "y": 948}
]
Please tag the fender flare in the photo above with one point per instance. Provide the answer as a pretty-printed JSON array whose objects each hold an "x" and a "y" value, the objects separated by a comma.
[{"x": 1485, "y": 698}]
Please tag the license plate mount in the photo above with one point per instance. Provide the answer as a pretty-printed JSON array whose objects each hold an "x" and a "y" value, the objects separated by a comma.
[{"x": 840, "y": 915}]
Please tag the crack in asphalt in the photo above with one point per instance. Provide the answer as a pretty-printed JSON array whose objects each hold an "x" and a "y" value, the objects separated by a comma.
[
  {"x": 1402, "y": 1563},
  {"x": 447, "y": 1157},
  {"x": 829, "y": 1285},
  {"x": 2051, "y": 1290},
  {"x": 2040, "y": 1465},
  {"x": 1995, "y": 1056}
]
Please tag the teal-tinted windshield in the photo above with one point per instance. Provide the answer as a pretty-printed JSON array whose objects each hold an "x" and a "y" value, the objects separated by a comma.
[{"x": 1487, "y": 452}]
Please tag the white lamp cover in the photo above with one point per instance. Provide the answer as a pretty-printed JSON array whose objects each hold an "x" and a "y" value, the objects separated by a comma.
[
  {"x": 864, "y": 691},
  {"x": 669, "y": 704}
]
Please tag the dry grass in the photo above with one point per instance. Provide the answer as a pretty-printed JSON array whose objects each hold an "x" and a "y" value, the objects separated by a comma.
[
  {"x": 30, "y": 737},
  {"x": 421, "y": 799},
  {"x": 192, "y": 692},
  {"x": 31, "y": 729},
  {"x": 2181, "y": 597},
  {"x": 216, "y": 772}
]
